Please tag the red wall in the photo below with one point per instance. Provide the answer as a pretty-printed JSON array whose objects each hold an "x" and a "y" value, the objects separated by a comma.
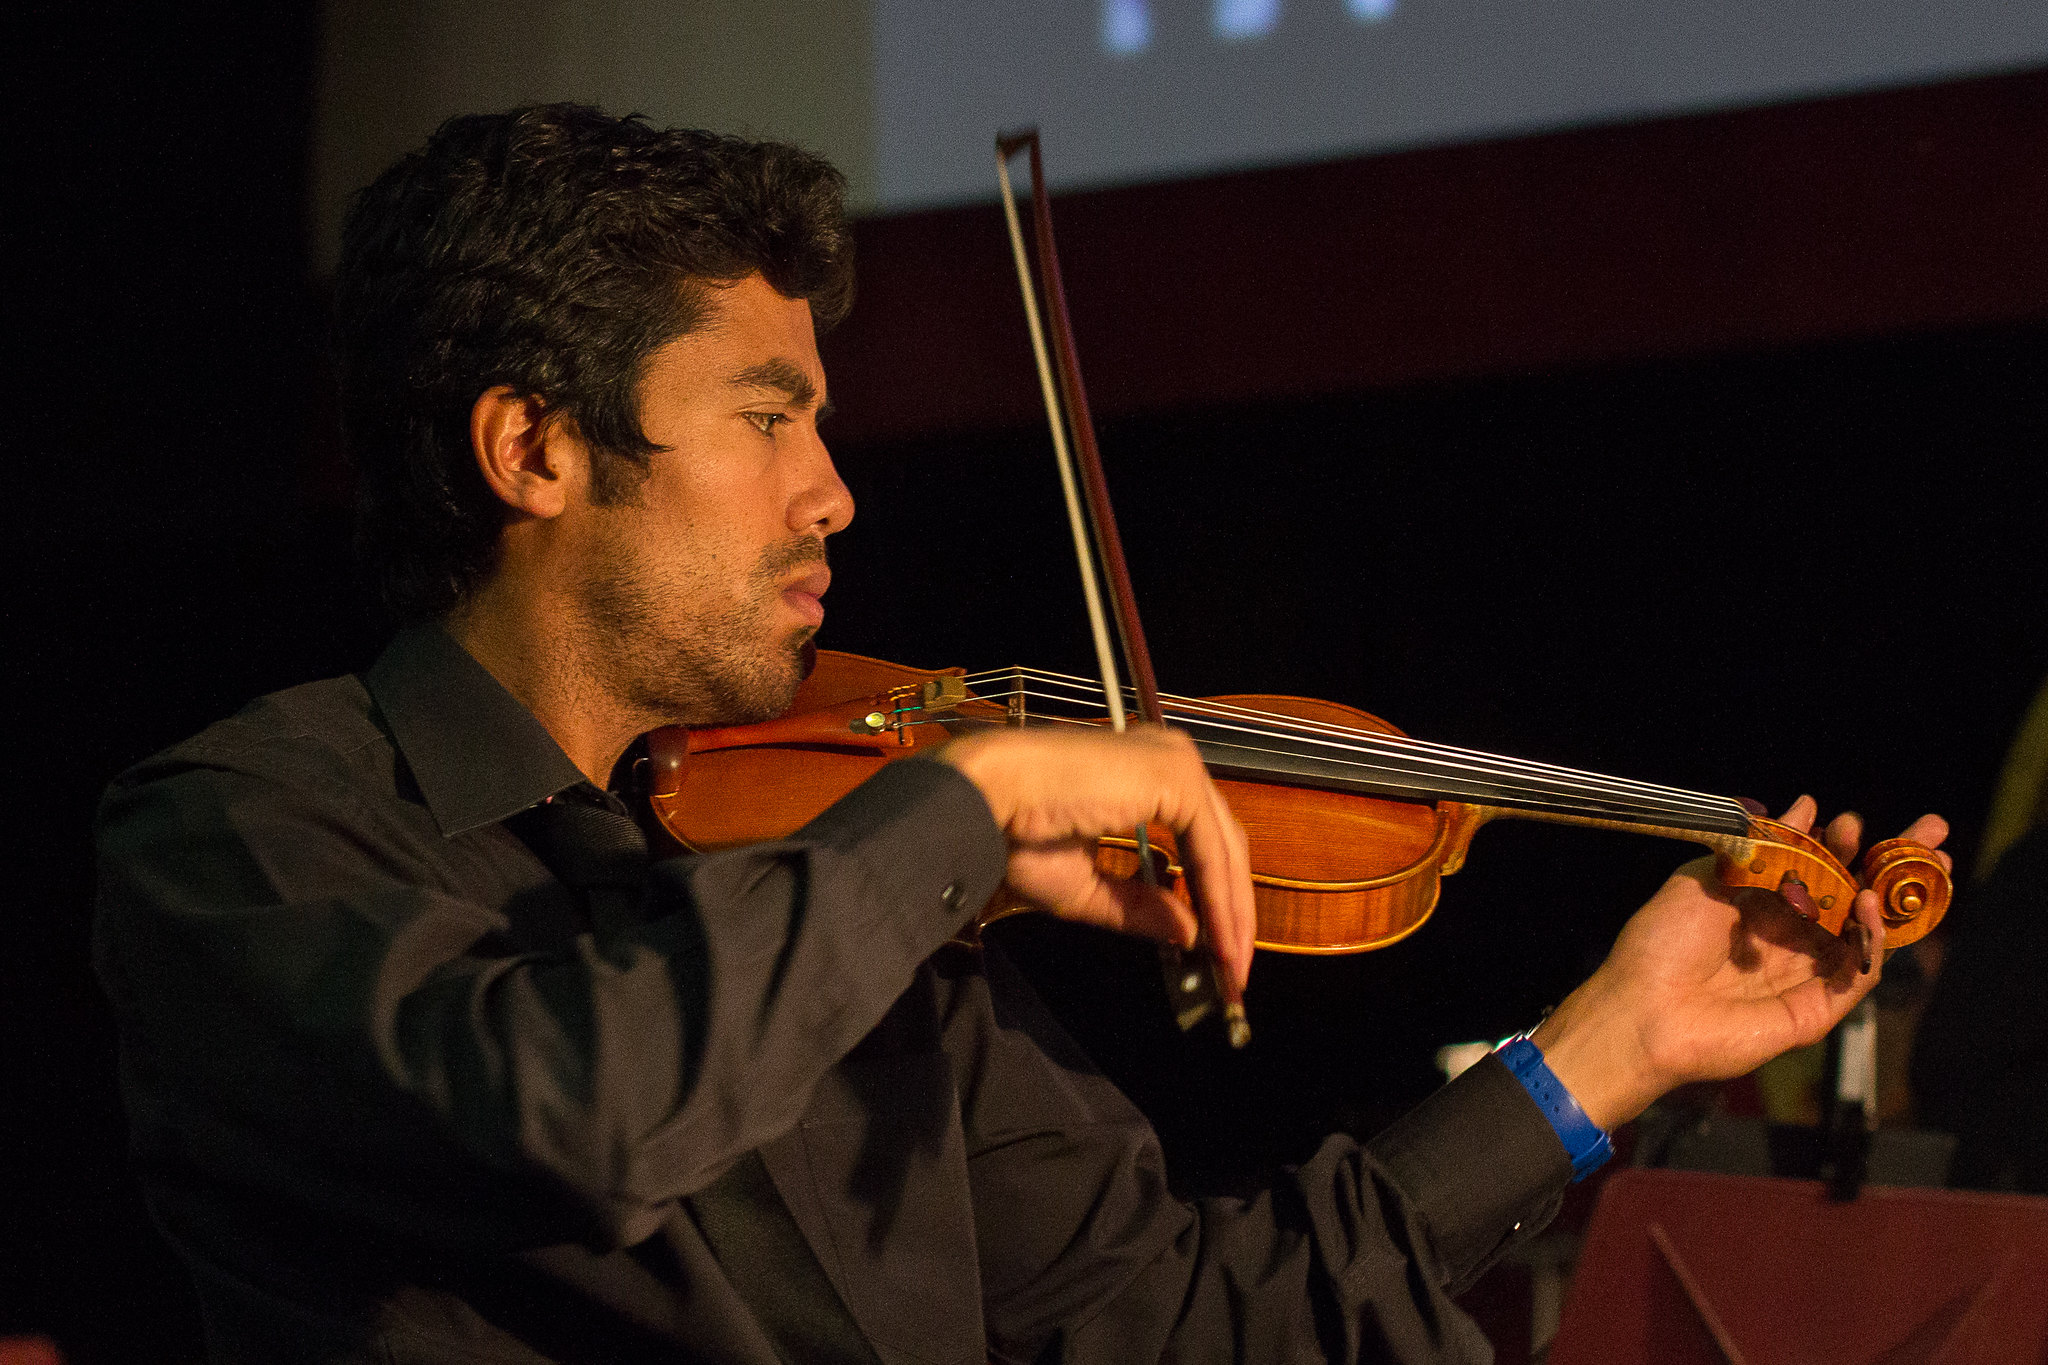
[{"x": 1898, "y": 211}]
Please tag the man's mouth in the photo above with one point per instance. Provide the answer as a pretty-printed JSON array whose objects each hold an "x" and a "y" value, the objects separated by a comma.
[{"x": 802, "y": 596}]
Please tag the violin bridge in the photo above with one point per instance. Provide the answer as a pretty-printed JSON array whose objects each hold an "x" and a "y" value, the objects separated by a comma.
[{"x": 943, "y": 694}]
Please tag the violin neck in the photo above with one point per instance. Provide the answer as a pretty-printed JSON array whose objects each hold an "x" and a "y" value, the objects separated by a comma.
[
  {"x": 1257, "y": 745},
  {"x": 1392, "y": 766}
]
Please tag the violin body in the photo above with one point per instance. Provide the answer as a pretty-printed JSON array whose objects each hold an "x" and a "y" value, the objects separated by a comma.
[{"x": 1333, "y": 871}]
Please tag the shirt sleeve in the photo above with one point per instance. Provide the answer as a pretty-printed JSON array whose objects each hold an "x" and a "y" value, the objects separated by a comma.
[
  {"x": 1087, "y": 1256},
  {"x": 315, "y": 1018}
]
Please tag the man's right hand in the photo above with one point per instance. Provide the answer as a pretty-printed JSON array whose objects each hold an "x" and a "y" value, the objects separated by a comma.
[{"x": 1055, "y": 792}]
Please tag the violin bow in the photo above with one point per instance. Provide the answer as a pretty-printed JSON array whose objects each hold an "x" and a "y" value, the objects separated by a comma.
[{"x": 1194, "y": 984}]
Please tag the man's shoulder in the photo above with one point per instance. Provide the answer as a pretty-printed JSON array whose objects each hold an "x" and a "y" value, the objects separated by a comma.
[{"x": 317, "y": 734}]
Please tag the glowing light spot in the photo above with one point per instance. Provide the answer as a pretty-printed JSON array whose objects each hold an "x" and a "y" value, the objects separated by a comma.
[
  {"x": 1370, "y": 11},
  {"x": 1126, "y": 26},
  {"x": 1239, "y": 19},
  {"x": 1455, "y": 1059}
]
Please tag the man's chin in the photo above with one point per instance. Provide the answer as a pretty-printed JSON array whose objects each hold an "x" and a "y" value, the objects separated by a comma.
[
  {"x": 772, "y": 691},
  {"x": 799, "y": 657},
  {"x": 742, "y": 688}
]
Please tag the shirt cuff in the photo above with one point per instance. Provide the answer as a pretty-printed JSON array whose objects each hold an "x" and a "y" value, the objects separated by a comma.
[
  {"x": 1481, "y": 1163},
  {"x": 1585, "y": 1142},
  {"x": 926, "y": 840}
]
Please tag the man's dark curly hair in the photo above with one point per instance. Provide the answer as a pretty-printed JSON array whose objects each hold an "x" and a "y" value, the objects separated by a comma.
[{"x": 553, "y": 249}]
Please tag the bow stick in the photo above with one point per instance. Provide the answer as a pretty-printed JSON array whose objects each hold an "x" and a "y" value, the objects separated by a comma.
[{"x": 1194, "y": 985}]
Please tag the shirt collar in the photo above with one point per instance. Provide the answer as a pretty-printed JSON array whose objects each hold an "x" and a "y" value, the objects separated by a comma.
[{"x": 477, "y": 754}]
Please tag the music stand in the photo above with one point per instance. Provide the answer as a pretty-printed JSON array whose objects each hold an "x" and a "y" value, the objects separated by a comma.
[{"x": 1690, "y": 1268}]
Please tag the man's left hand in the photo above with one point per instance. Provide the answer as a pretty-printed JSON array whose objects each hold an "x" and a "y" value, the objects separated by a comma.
[{"x": 1706, "y": 983}]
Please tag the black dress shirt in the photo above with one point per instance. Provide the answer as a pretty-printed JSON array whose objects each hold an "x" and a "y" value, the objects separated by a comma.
[{"x": 397, "y": 1096}]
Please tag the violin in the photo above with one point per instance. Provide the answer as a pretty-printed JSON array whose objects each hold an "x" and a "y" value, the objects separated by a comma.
[{"x": 1351, "y": 824}]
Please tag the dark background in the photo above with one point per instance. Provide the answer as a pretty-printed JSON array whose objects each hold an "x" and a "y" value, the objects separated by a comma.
[{"x": 1755, "y": 532}]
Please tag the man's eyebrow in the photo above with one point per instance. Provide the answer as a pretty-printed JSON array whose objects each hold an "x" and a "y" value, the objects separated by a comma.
[{"x": 784, "y": 376}]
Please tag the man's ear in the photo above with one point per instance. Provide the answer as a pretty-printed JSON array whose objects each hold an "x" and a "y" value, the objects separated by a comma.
[{"x": 532, "y": 462}]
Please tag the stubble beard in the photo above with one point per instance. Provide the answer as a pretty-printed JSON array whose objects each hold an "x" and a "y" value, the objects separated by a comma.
[{"x": 718, "y": 664}]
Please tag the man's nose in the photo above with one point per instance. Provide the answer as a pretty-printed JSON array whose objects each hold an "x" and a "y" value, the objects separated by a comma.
[{"x": 824, "y": 505}]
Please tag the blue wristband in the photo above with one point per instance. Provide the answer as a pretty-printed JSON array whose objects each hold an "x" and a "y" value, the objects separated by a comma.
[{"x": 1584, "y": 1142}]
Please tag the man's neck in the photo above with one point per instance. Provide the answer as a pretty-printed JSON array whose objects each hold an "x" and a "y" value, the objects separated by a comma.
[{"x": 539, "y": 661}]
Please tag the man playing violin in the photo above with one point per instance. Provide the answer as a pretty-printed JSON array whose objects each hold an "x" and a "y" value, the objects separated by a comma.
[{"x": 430, "y": 1057}]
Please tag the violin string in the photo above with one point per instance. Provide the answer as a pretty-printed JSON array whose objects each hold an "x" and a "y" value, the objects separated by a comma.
[
  {"x": 1310, "y": 731},
  {"x": 1326, "y": 736},
  {"x": 1510, "y": 785},
  {"x": 1607, "y": 796},
  {"x": 1323, "y": 733},
  {"x": 1603, "y": 803},
  {"x": 1423, "y": 761},
  {"x": 1532, "y": 779},
  {"x": 1466, "y": 761}
]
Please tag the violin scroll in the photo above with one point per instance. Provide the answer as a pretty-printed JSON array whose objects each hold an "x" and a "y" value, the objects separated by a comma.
[
  {"x": 1913, "y": 885},
  {"x": 1910, "y": 880}
]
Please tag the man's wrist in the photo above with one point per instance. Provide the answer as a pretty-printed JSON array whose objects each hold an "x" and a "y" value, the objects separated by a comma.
[
  {"x": 1589, "y": 1044},
  {"x": 972, "y": 757}
]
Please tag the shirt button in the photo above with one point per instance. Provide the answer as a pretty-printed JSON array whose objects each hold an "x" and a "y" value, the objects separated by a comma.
[
  {"x": 1516, "y": 1228},
  {"x": 951, "y": 895}
]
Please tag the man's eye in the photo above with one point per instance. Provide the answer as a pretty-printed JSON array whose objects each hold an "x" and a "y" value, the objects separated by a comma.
[{"x": 767, "y": 421}]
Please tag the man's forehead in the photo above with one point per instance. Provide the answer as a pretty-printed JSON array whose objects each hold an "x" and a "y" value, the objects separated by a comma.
[
  {"x": 751, "y": 307},
  {"x": 750, "y": 337}
]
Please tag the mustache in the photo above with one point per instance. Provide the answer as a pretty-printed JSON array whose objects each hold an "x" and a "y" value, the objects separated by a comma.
[{"x": 802, "y": 553}]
